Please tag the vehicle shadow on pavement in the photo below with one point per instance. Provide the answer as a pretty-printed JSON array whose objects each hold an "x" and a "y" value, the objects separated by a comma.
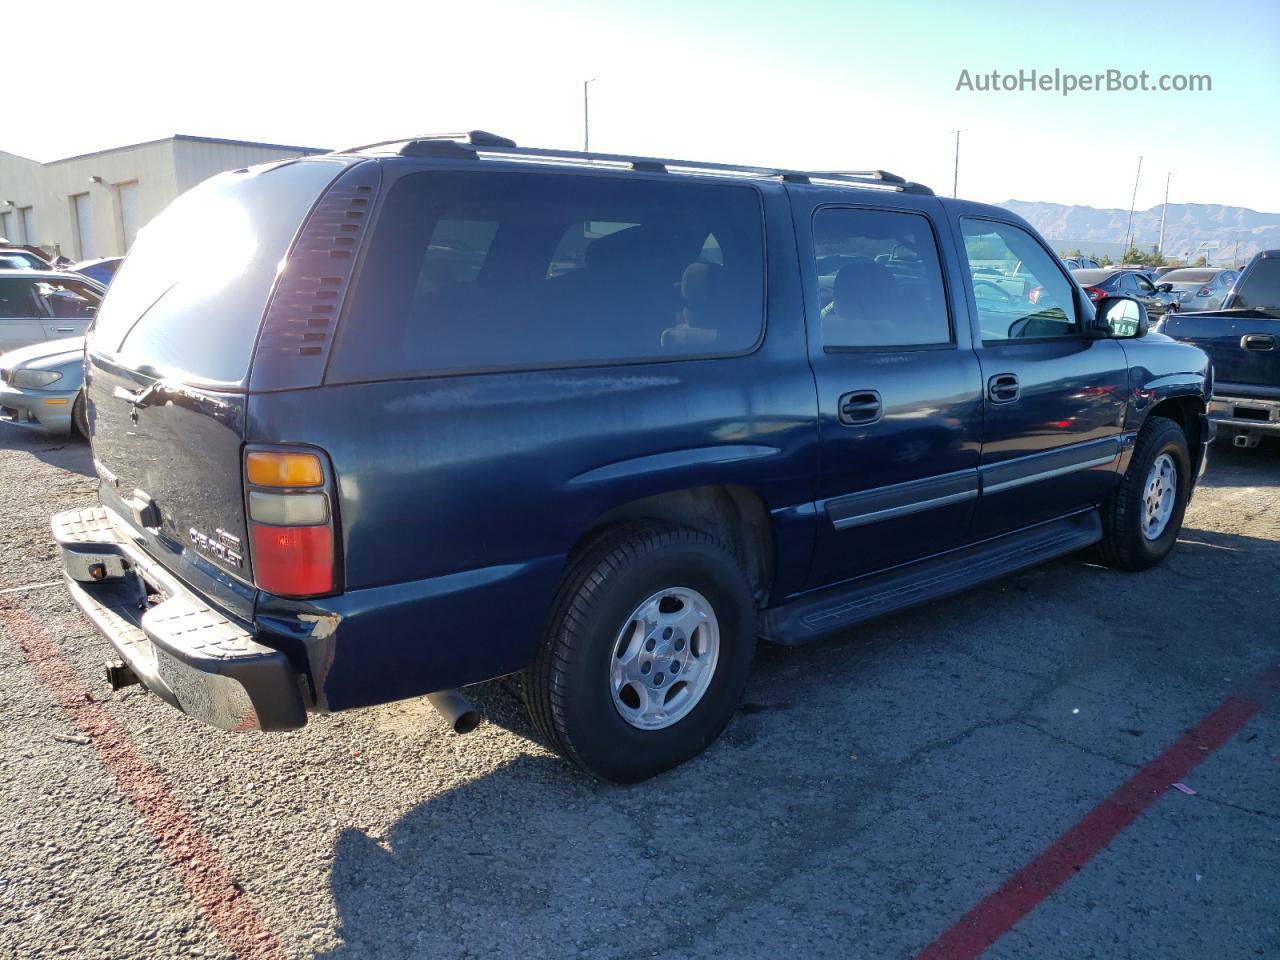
[{"x": 69, "y": 452}]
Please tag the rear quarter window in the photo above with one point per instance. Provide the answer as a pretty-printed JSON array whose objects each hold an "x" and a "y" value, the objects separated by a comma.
[{"x": 503, "y": 270}]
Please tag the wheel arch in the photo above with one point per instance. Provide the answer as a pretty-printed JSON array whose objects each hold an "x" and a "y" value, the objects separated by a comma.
[
  {"x": 1188, "y": 413},
  {"x": 734, "y": 514}
]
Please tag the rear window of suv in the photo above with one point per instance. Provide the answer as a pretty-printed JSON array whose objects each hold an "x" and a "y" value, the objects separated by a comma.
[
  {"x": 188, "y": 300},
  {"x": 485, "y": 270}
]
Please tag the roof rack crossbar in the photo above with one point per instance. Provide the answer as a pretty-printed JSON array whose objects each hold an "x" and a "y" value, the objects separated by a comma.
[{"x": 477, "y": 142}]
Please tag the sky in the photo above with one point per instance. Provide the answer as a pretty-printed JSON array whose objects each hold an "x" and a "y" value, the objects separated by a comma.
[{"x": 814, "y": 85}]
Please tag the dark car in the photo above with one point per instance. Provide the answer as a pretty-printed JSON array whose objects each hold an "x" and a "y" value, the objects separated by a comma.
[
  {"x": 1110, "y": 282},
  {"x": 461, "y": 410},
  {"x": 1243, "y": 341},
  {"x": 103, "y": 269}
]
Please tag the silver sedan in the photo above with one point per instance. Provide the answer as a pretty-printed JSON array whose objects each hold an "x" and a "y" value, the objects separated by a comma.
[
  {"x": 41, "y": 386},
  {"x": 1198, "y": 288}
]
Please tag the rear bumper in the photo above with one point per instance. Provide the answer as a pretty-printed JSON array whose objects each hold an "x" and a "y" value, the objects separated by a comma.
[
  {"x": 184, "y": 651},
  {"x": 1246, "y": 413}
]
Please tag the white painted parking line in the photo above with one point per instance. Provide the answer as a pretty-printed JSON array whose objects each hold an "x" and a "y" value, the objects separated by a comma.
[{"x": 32, "y": 586}]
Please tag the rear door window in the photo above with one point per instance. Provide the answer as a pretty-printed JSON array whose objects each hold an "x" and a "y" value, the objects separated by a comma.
[
  {"x": 879, "y": 280},
  {"x": 188, "y": 300},
  {"x": 485, "y": 270}
]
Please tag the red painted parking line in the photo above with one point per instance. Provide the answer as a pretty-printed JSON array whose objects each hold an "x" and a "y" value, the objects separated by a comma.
[
  {"x": 995, "y": 916},
  {"x": 224, "y": 905}
]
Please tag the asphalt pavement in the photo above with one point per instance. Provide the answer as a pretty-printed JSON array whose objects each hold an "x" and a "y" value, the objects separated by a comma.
[{"x": 973, "y": 775}]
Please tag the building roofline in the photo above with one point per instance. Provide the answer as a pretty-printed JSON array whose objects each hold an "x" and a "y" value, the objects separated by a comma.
[{"x": 190, "y": 139}]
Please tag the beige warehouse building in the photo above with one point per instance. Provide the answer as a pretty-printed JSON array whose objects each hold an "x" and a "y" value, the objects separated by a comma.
[{"x": 94, "y": 205}]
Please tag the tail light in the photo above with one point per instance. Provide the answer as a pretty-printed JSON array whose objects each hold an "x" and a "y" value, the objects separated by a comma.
[
  {"x": 290, "y": 503},
  {"x": 1034, "y": 295},
  {"x": 1094, "y": 293},
  {"x": 1204, "y": 291}
]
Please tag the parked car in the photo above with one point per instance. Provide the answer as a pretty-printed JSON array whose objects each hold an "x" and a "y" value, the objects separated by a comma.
[
  {"x": 15, "y": 258},
  {"x": 101, "y": 270},
  {"x": 1243, "y": 341},
  {"x": 1081, "y": 263},
  {"x": 45, "y": 305},
  {"x": 421, "y": 445},
  {"x": 41, "y": 387},
  {"x": 1198, "y": 288},
  {"x": 1100, "y": 284},
  {"x": 1159, "y": 272}
]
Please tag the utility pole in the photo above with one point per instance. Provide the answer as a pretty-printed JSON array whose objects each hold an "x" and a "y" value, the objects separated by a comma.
[
  {"x": 586, "y": 118},
  {"x": 955, "y": 179},
  {"x": 1164, "y": 213},
  {"x": 1134, "y": 200}
]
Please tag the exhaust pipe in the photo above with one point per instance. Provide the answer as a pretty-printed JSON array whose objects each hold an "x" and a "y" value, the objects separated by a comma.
[{"x": 459, "y": 712}]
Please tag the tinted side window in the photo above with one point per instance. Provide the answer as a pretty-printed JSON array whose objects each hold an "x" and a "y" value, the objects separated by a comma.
[
  {"x": 1019, "y": 290},
  {"x": 1144, "y": 285},
  {"x": 556, "y": 270},
  {"x": 18, "y": 299},
  {"x": 68, "y": 301},
  {"x": 879, "y": 279}
]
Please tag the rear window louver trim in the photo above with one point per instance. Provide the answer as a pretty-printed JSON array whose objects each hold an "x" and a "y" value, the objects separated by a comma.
[{"x": 297, "y": 331}]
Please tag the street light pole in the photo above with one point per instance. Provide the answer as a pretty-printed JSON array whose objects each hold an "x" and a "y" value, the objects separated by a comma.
[
  {"x": 1164, "y": 213},
  {"x": 586, "y": 117},
  {"x": 955, "y": 178},
  {"x": 1132, "y": 201}
]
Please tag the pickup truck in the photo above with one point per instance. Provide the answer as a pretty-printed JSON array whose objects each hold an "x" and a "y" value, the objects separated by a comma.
[{"x": 1243, "y": 341}]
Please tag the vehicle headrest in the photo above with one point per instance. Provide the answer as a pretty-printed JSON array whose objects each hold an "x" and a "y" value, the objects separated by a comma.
[
  {"x": 700, "y": 285},
  {"x": 862, "y": 282}
]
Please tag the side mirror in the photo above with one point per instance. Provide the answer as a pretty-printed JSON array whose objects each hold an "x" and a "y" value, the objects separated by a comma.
[
  {"x": 1121, "y": 318},
  {"x": 1165, "y": 288}
]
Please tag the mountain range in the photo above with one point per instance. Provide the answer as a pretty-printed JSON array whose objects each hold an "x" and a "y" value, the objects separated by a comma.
[{"x": 1238, "y": 231}]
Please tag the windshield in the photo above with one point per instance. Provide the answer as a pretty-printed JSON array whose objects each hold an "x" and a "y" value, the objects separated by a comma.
[{"x": 188, "y": 300}]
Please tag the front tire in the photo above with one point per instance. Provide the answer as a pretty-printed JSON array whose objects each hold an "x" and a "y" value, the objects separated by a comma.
[
  {"x": 80, "y": 415},
  {"x": 647, "y": 654},
  {"x": 1143, "y": 516}
]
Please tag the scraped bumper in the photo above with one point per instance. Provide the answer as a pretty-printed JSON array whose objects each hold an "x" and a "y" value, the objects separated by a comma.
[{"x": 183, "y": 650}]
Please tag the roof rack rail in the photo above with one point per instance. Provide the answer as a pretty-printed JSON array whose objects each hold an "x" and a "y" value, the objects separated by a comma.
[
  {"x": 479, "y": 142},
  {"x": 475, "y": 138}
]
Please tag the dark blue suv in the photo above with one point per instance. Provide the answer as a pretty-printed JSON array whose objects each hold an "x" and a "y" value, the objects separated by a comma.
[{"x": 445, "y": 409}]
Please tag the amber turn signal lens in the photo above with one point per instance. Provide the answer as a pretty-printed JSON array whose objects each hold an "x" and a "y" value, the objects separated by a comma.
[{"x": 268, "y": 469}]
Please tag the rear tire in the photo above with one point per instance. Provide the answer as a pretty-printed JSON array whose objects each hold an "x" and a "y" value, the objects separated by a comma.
[
  {"x": 1143, "y": 516},
  {"x": 640, "y": 608}
]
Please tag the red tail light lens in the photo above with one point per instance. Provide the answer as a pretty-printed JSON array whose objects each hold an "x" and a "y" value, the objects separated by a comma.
[
  {"x": 290, "y": 504},
  {"x": 1034, "y": 295},
  {"x": 1094, "y": 293},
  {"x": 293, "y": 561}
]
